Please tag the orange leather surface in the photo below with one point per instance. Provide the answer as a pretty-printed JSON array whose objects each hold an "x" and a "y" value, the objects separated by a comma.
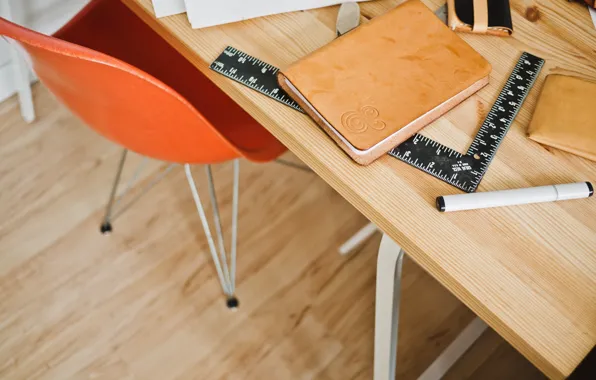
[
  {"x": 480, "y": 16},
  {"x": 388, "y": 78},
  {"x": 127, "y": 83},
  {"x": 565, "y": 116}
]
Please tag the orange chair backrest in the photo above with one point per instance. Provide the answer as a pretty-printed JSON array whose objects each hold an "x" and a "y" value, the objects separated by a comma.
[{"x": 121, "y": 102}]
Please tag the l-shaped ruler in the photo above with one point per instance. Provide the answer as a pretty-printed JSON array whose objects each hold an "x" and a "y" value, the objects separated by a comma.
[{"x": 464, "y": 171}]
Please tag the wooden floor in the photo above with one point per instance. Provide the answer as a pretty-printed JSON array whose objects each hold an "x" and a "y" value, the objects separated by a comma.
[{"x": 144, "y": 302}]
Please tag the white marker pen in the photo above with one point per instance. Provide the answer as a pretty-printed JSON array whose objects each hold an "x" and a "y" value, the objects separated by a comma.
[{"x": 461, "y": 202}]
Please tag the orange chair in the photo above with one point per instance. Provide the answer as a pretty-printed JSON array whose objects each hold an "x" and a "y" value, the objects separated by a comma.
[{"x": 128, "y": 84}]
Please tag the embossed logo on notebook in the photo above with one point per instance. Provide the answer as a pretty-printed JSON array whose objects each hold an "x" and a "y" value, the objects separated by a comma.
[{"x": 359, "y": 121}]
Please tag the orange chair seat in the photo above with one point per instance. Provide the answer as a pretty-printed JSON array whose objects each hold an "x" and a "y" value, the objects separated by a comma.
[{"x": 109, "y": 27}]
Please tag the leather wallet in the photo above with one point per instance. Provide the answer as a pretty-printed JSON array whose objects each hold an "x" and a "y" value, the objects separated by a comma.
[
  {"x": 565, "y": 116},
  {"x": 480, "y": 16},
  {"x": 380, "y": 83}
]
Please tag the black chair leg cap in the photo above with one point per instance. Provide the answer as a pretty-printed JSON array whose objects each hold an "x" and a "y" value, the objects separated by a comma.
[
  {"x": 105, "y": 228},
  {"x": 232, "y": 303}
]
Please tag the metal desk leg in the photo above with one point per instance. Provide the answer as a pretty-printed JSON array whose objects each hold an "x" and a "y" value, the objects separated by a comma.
[
  {"x": 455, "y": 350},
  {"x": 389, "y": 265},
  {"x": 357, "y": 239}
]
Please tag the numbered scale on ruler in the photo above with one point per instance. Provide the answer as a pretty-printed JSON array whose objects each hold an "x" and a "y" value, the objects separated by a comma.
[
  {"x": 253, "y": 73},
  {"x": 464, "y": 171}
]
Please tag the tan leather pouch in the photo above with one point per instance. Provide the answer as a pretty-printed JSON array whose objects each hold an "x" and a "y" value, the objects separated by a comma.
[
  {"x": 565, "y": 116},
  {"x": 480, "y": 16}
]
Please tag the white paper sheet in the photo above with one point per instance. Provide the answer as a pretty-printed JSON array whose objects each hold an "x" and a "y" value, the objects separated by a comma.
[
  {"x": 203, "y": 13},
  {"x": 164, "y": 8},
  {"x": 593, "y": 14}
]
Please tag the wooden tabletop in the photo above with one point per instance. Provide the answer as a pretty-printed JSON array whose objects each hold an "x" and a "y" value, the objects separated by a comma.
[{"x": 528, "y": 271}]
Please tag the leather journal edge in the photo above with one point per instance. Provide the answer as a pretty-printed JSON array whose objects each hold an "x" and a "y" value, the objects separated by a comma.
[{"x": 365, "y": 157}]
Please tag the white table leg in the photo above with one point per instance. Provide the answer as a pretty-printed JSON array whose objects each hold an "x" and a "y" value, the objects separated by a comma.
[
  {"x": 358, "y": 238},
  {"x": 455, "y": 350},
  {"x": 389, "y": 265}
]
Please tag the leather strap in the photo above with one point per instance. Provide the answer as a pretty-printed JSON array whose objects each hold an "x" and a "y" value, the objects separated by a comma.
[{"x": 480, "y": 16}]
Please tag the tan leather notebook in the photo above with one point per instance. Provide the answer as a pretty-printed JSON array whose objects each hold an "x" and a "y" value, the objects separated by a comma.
[
  {"x": 565, "y": 116},
  {"x": 376, "y": 86}
]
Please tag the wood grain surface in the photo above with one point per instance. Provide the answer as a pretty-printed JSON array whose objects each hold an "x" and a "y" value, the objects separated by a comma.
[
  {"x": 144, "y": 303},
  {"x": 528, "y": 271}
]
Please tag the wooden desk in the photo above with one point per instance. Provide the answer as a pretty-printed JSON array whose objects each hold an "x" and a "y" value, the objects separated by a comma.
[{"x": 528, "y": 271}]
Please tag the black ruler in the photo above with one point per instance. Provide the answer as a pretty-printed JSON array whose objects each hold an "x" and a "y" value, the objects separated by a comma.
[
  {"x": 464, "y": 171},
  {"x": 252, "y": 72}
]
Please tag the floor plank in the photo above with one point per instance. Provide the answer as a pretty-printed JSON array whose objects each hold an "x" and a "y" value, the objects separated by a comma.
[{"x": 145, "y": 303}]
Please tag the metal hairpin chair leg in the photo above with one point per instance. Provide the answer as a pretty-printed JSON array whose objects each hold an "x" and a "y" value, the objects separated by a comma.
[
  {"x": 111, "y": 212},
  {"x": 226, "y": 273},
  {"x": 106, "y": 225}
]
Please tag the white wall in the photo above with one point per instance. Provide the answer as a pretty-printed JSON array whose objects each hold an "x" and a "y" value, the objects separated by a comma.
[
  {"x": 45, "y": 16},
  {"x": 6, "y": 85}
]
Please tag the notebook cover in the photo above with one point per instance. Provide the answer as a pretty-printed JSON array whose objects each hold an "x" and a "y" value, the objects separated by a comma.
[
  {"x": 565, "y": 116},
  {"x": 377, "y": 85}
]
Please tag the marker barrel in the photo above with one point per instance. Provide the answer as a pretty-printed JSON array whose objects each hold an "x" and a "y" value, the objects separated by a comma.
[{"x": 551, "y": 193}]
